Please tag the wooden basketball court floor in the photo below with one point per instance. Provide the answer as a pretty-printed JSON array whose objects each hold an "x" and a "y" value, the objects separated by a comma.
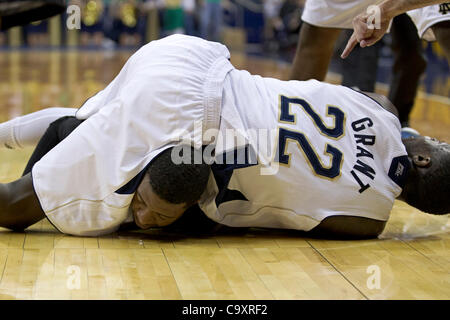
[{"x": 411, "y": 260}]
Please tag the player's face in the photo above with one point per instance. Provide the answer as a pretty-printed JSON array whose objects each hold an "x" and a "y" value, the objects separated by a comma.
[
  {"x": 156, "y": 212},
  {"x": 425, "y": 152}
]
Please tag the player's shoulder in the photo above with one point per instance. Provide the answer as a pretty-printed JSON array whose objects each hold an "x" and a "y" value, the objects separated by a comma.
[
  {"x": 383, "y": 101},
  {"x": 379, "y": 99}
]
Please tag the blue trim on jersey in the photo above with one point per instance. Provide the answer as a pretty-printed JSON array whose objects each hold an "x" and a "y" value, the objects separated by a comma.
[
  {"x": 370, "y": 98},
  {"x": 223, "y": 173},
  {"x": 134, "y": 183}
]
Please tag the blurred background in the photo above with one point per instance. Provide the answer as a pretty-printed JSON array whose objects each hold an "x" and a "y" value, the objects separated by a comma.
[{"x": 50, "y": 63}]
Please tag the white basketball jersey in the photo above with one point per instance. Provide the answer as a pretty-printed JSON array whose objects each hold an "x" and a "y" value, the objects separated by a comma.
[{"x": 332, "y": 151}]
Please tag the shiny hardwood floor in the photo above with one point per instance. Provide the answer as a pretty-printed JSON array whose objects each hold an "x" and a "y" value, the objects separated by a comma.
[{"x": 411, "y": 260}]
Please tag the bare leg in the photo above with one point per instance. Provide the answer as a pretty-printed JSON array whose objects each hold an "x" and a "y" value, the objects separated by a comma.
[
  {"x": 442, "y": 32},
  {"x": 314, "y": 52},
  {"x": 19, "y": 205},
  {"x": 409, "y": 65}
]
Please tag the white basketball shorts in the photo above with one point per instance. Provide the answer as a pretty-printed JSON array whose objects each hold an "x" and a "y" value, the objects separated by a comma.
[{"x": 335, "y": 13}]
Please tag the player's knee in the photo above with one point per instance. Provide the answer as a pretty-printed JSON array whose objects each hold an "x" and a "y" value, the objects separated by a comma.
[
  {"x": 62, "y": 127},
  {"x": 54, "y": 126},
  {"x": 411, "y": 61}
]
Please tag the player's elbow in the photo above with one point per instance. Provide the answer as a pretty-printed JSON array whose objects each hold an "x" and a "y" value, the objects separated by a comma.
[{"x": 349, "y": 228}]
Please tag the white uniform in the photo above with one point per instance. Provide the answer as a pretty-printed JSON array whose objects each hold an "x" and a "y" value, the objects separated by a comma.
[
  {"x": 340, "y": 153},
  {"x": 335, "y": 13},
  {"x": 86, "y": 183},
  {"x": 425, "y": 18}
]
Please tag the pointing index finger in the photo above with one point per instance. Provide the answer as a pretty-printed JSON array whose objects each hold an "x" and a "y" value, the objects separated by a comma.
[{"x": 351, "y": 44}]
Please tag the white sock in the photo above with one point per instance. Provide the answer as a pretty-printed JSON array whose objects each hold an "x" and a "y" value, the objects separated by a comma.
[{"x": 28, "y": 129}]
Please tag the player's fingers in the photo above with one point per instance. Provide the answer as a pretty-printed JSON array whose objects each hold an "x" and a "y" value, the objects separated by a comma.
[
  {"x": 351, "y": 44},
  {"x": 369, "y": 41},
  {"x": 360, "y": 27}
]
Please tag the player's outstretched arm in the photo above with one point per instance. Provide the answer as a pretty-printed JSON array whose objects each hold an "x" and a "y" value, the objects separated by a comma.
[
  {"x": 367, "y": 31},
  {"x": 19, "y": 204}
]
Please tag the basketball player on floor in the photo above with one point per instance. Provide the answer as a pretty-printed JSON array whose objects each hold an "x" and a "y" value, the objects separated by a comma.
[
  {"x": 333, "y": 165},
  {"x": 432, "y": 18}
]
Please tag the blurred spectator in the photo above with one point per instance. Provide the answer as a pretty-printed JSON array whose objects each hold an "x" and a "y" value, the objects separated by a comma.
[
  {"x": 286, "y": 24},
  {"x": 91, "y": 22},
  {"x": 152, "y": 10},
  {"x": 211, "y": 20},
  {"x": 36, "y": 34},
  {"x": 271, "y": 10},
  {"x": 173, "y": 21},
  {"x": 189, "y": 7},
  {"x": 2, "y": 38},
  {"x": 127, "y": 23},
  {"x": 109, "y": 30}
]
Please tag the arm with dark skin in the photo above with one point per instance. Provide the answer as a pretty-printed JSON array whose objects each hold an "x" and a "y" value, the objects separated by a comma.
[
  {"x": 194, "y": 221},
  {"x": 19, "y": 204},
  {"x": 317, "y": 54},
  {"x": 348, "y": 228}
]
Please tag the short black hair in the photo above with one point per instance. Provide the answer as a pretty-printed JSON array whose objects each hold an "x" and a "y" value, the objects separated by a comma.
[
  {"x": 430, "y": 192},
  {"x": 178, "y": 183}
]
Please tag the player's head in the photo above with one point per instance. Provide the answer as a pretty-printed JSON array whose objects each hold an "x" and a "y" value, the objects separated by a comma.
[
  {"x": 178, "y": 183},
  {"x": 173, "y": 188},
  {"x": 428, "y": 184}
]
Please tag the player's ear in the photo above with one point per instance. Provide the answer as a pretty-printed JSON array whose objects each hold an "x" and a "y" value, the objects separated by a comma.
[{"x": 422, "y": 161}]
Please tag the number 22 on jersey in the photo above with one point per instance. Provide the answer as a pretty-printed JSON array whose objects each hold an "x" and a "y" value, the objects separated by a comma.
[{"x": 334, "y": 132}]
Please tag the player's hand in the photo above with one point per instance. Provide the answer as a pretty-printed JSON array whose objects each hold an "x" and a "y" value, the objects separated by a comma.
[{"x": 366, "y": 32}]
